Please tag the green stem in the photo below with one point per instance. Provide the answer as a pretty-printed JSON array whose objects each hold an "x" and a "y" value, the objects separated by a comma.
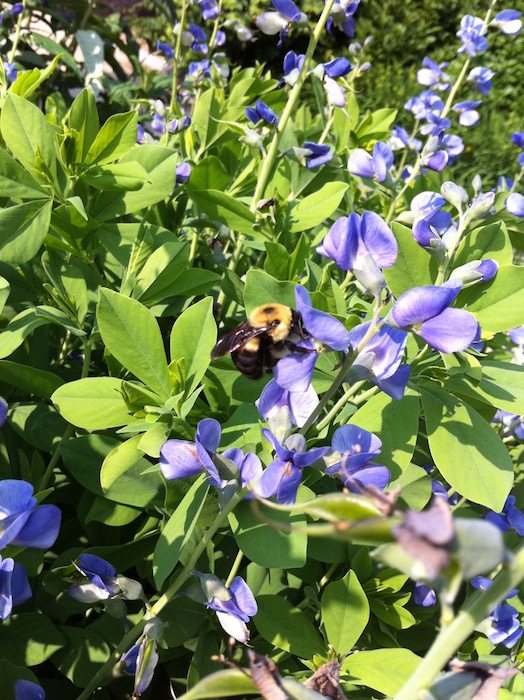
[
  {"x": 178, "y": 49},
  {"x": 339, "y": 405},
  {"x": 130, "y": 638},
  {"x": 455, "y": 634},
  {"x": 17, "y": 33},
  {"x": 235, "y": 567}
]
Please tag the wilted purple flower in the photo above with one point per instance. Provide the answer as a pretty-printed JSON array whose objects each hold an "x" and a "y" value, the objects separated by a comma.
[
  {"x": 380, "y": 359},
  {"x": 515, "y": 204},
  {"x": 279, "y": 22},
  {"x": 283, "y": 476},
  {"x": 261, "y": 112},
  {"x": 432, "y": 75},
  {"x": 301, "y": 404},
  {"x": 165, "y": 49},
  {"x": 481, "y": 79},
  {"x": 26, "y": 690},
  {"x": 468, "y": 115},
  {"x": 341, "y": 16},
  {"x": 503, "y": 625},
  {"x": 183, "y": 173},
  {"x": 424, "y": 595},
  {"x": 210, "y": 9},
  {"x": 471, "y": 33},
  {"x": 425, "y": 310},
  {"x": 140, "y": 661},
  {"x": 318, "y": 154},
  {"x": 374, "y": 167},
  {"x": 475, "y": 271},
  {"x": 510, "y": 517},
  {"x": 23, "y": 522},
  {"x": 234, "y": 606},
  {"x": 354, "y": 449},
  {"x": 508, "y": 22},
  {"x": 14, "y": 586},
  {"x": 400, "y": 139},
  {"x": 292, "y": 66}
]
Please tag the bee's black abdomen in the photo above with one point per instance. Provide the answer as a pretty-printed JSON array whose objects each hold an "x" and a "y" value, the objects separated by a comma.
[{"x": 248, "y": 362}]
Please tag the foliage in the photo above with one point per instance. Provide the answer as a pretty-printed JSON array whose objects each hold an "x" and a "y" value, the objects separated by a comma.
[{"x": 143, "y": 216}]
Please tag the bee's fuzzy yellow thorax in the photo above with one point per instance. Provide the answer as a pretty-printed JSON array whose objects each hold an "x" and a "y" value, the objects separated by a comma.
[{"x": 268, "y": 313}]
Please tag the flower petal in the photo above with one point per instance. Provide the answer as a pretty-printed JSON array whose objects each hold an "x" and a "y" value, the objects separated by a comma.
[
  {"x": 243, "y": 596},
  {"x": 320, "y": 325},
  {"x": 268, "y": 483},
  {"x": 453, "y": 330},
  {"x": 178, "y": 459},
  {"x": 41, "y": 529},
  {"x": 233, "y": 626},
  {"x": 295, "y": 371},
  {"x": 287, "y": 489},
  {"x": 378, "y": 239},
  {"x": 422, "y": 303}
]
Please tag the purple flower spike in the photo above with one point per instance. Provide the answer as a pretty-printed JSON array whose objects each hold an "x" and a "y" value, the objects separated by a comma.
[
  {"x": 508, "y": 22},
  {"x": 320, "y": 325},
  {"x": 515, "y": 204},
  {"x": 350, "y": 238},
  {"x": 374, "y": 167},
  {"x": 426, "y": 311},
  {"x": 14, "y": 586},
  {"x": 319, "y": 154},
  {"x": 26, "y": 690},
  {"x": 23, "y": 522},
  {"x": 424, "y": 595}
]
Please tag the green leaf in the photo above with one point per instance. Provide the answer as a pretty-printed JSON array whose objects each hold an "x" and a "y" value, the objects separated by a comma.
[
  {"x": 116, "y": 176},
  {"x": 345, "y": 612},
  {"x": 84, "y": 653},
  {"x": 209, "y": 173},
  {"x": 316, "y": 208},
  {"x": 27, "y": 81},
  {"x": 16, "y": 182},
  {"x": 23, "y": 229},
  {"x": 31, "y": 138},
  {"x": 338, "y": 506},
  {"x": 193, "y": 337},
  {"x": 116, "y": 137},
  {"x": 5, "y": 290},
  {"x": 83, "y": 456},
  {"x": 466, "y": 450},
  {"x": 178, "y": 530},
  {"x": 193, "y": 281},
  {"x": 83, "y": 119},
  {"x": 18, "y": 329},
  {"x": 226, "y": 683},
  {"x": 384, "y": 670},
  {"x": 132, "y": 335},
  {"x": 396, "y": 424},
  {"x": 158, "y": 277},
  {"x": 498, "y": 304},
  {"x": 226, "y": 209},
  {"x": 30, "y": 379},
  {"x": 160, "y": 165},
  {"x": 376, "y": 123},
  {"x": 269, "y": 546},
  {"x": 93, "y": 403},
  {"x": 125, "y": 478},
  {"x": 29, "y": 639},
  {"x": 287, "y": 627},
  {"x": 412, "y": 267},
  {"x": 260, "y": 288},
  {"x": 502, "y": 384},
  {"x": 44, "y": 42},
  {"x": 491, "y": 241}
]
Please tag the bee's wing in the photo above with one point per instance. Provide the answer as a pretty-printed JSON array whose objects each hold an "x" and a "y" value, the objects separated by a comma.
[{"x": 236, "y": 338}]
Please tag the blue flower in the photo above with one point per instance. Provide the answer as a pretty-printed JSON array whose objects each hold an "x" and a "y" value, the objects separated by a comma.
[
  {"x": 301, "y": 404},
  {"x": 475, "y": 271},
  {"x": 337, "y": 67},
  {"x": 471, "y": 33},
  {"x": 234, "y": 606},
  {"x": 292, "y": 66},
  {"x": 400, "y": 139},
  {"x": 481, "y": 79},
  {"x": 515, "y": 204},
  {"x": 3, "y": 411},
  {"x": 10, "y": 71},
  {"x": 433, "y": 76},
  {"x": 318, "y": 154},
  {"x": 17, "y": 9},
  {"x": 502, "y": 626},
  {"x": 22, "y": 522},
  {"x": 341, "y": 16},
  {"x": 374, "y": 167},
  {"x": 510, "y": 517},
  {"x": 165, "y": 49},
  {"x": 468, "y": 116},
  {"x": 199, "y": 44},
  {"x": 14, "y": 586},
  {"x": 210, "y": 9},
  {"x": 425, "y": 310},
  {"x": 140, "y": 661},
  {"x": 380, "y": 359},
  {"x": 508, "y": 22},
  {"x": 516, "y": 335},
  {"x": 453, "y": 145},
  {"x": 279, "y": 22},
  {"x": 283, "y": 476},
  {"x": 261, "y": 112},
  {"x": 517, "y": 137},
  {"x": 26, "y": 690},
  {"x": 424, "y": 595},
  {"x": 102, "y": 576},
  {"x": 425, "y": 104},
  {"x": 183, "y": 173},
  {"x": 353, "y": 451}
]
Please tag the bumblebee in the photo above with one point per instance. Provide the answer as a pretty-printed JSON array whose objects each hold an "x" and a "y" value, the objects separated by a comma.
[{"x": 270, "y": 333}]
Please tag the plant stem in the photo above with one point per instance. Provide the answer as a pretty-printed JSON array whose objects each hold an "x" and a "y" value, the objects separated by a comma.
[
  {"x": 455, "y": 634},
  {"x": 235, "y": 567},
  {"x": 17, "y": 33},
  {"x": 339, "y": 405},
  {"x": 178, "y": 49},
  {"x": 130, "y": 638}
]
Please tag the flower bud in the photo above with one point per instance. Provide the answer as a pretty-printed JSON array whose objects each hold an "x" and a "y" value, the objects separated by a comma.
[
  {"x": 454, "y": 194},
  {"x": 476, "y": 271}
]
